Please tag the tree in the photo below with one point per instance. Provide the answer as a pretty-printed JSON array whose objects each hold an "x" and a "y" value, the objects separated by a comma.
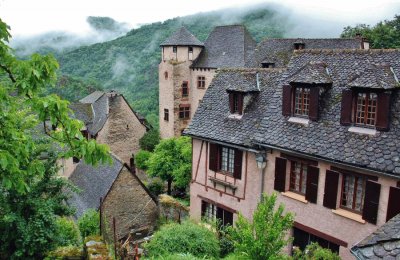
[
  {"x": 141, "y": 159},
  {"x": 149, "y": 140},
  {"x": 315, "y": 252},
  {"x": 385, "y": 34},
  {"x": 264, "y": 237},
  {"x": 32, "y": 193},
  {"x": 172, "y": 161},
  {"x": 89, "y": 223}
]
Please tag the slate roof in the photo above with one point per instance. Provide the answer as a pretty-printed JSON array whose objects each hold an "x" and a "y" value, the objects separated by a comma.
[
  {"x": 226, "y": 46},
  {"x": 212, "y": 116},
  {"x": 384, "y": 243},
  {"x": 94, "y": 183},
  {"x": 378, "y": 76},
  {"x": 311, "y": 73},
  {"x": 92, "y": 97},
  {"x": 100, "y": 110},
  {"x": 182, "y": 37},
  {"x": 263, "y": 123},
  {"x": 82, "y": 111},
  {"x": 279, "y": 51},
  {"x": 327, "y": 138}
]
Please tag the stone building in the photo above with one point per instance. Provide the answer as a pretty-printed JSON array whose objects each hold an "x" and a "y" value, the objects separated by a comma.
[
  {"x": 322, "y": 133},
  {"x": 123, "y": 196},
  {"x": 110, "y": 120},
  {"x": 188, "y": 66}
]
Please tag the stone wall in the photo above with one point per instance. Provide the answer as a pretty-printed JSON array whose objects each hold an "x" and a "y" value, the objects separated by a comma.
[
  {"x": 122, "y": 130},
  {"x": 131, "y": 206}
]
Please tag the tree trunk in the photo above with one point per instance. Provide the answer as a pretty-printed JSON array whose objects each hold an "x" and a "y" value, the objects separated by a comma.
[{"x": 169, "y": 187}]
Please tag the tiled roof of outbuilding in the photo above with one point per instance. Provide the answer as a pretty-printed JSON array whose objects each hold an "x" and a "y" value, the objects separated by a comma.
[
  {"x": 92, "y": 97},
  {"x": 327, "y": 138},
  {"x": 94, "y": 183},
  {"x": 182, "y": 37},
  {"x": 311, "y": 73},
  {"x": 378, "y": 76},
  {"x": 212, "y": 120},
  {"x": 226, "y": 46},
  {"x": 82, "y": 111},
  {"x": 279, "y": 51},
  {"x": 384, "y": 243}
]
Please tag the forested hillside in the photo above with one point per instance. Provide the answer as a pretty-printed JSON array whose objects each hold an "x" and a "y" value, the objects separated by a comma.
[{"x": 129, "y": 64}]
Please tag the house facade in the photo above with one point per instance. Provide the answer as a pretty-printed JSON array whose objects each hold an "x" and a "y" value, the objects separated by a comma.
[
  {"x": 321, "y": 133},
  {"x": 188, "y": 66}
]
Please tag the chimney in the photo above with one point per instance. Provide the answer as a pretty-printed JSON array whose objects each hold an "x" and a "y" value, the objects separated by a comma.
[{"x": 132, "y": 165}]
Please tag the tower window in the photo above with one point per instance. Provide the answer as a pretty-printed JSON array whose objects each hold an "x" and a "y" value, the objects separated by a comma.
[
  {"x": 166, "y": 75},
  {"x": 166, "y": 114},
  {"x": 185, "y": 89},
  {"x": 174, "y": 49},
  {"x": 201, "y": 82},
  {"x": 184, "y": 111}
]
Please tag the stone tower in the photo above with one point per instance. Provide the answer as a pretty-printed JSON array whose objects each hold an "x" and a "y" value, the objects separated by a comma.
[{"x": 175, "y": 84}]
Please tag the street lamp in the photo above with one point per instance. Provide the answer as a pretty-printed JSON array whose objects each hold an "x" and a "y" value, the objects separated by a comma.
[{"x": 261, "y": 161}]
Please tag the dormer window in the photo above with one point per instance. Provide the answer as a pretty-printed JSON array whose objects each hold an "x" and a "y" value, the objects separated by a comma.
[
  {"x": 190, "y": 49},
  {"x": 236, "y": 102},
  {"x": 268, "y": 65},
  {"x": 299, "y": 101},
  {"x": 302, "y": 101},
  {"x": 365, "y": 111},
  {"x": 299, "y": 46}
]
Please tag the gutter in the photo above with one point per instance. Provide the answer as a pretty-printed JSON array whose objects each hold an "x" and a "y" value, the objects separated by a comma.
[{"x": 313, "y": 157}]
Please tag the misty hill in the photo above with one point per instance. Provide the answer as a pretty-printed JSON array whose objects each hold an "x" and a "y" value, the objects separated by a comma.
[{"x": 129, "y": 64}]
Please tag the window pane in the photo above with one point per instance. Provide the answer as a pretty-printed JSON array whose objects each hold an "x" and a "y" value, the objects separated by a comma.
[
  {"x": 353, "y": 192},
  {"x": 302, "y": 101},
  {"x": 298, "y": 177}
]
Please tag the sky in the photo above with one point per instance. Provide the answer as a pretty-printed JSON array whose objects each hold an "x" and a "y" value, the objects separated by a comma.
[{"x": 29, "y": 17}]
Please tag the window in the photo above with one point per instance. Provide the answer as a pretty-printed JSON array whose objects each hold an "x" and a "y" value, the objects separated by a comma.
[
  {"x": 75, "y": 159},
  {"x": 302, "y": 239},
  {"x": 185, "y": 89},
  {"x": 190, "y": 49},
  {"x": 184, "y": 111},
  {"x": 298, "y": 177},
  {"x": 353, "y": 192},
  {"x": 268, "y": 65},
  {"x": 236, "y": 103},
  {"x": 211, "y": 212},
  {"x": 201, "y": 82},
  {"x": 365, "y": 113},
  {"x": 166, "y": 114},
  {"x": 174, "y": 49},
  {"x": 227, "y": 159},
  {"x": 302, "y": 101},
  {"x": 299, "y": 46},
  {"x": 166, "y": 75}
]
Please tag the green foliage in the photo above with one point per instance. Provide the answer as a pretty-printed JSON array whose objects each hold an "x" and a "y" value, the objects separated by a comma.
[
  {"x": 89, "y": 223},
  {"x": 264, "y": 237},
  {"x": 187, "y": 237},
  {"x": 315, "y": 252},
  {"x": 172, "y": 161},
  {"x": 183, "y": 256},
  {"x": 67, "y": 232},
  {"x": 149, "y": 140},
  {"x": 141, "y": 159},
  {"x": 385, "y": 34},
  {"x": 156, "y": 186},
  {"x": 65, "y": 252},
  {"x": 226, "y": 242}
]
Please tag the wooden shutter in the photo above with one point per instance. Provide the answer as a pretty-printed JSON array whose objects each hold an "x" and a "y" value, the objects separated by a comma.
[
  {"x": 346, "y": 110},
  {"x": 371, "y": 201},
  {"x": 393, "y": 204},
  {"x": 237, "y": 169},
  {"x": 314, "y": 99},
  {"x": 240, "y": 103},
  {"x": 231, "y": 102},
  {"x": 287, "y": 100},
  {"x": 383, "y": 113},
  {"x": 280, "y": 174},
  {"x": 312, "y": 184},
  {"x": 213, "y": 159},
  {"x": 331, "y": 189}
]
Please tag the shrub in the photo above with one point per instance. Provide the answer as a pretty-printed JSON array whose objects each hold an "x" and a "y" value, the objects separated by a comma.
[
  {"x": 65, "y": 252},
  {"x": 187, "y": 237},
  {"x": 315, "y": 252},
  {"x": 156, "y": 186},
  {"x": 89, "y": 223},
  {"x": 149, "y": 140},
  {"x": 141, "y": 159},
  {"x": 67, "y": 232}
]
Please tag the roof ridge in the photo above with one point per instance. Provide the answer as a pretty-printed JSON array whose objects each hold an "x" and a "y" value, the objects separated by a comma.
[{"x": 327, "y": 51}]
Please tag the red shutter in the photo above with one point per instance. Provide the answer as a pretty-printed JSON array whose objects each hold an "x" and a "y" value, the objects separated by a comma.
[
  {"x": 393, "y": 204},
  {"x": 371, "y": 201},
  {"x": 280, "y": 174},
  {"x": 231, "y": 102},
  {"x": 240, "y": 103},
  {"x": 213, "y": 160},
  {"x": 287, "y": 100},
  {"x": 312, "y": 184},
  {"x": 314, "y": 99},
  {"x": 383, "y": 113},
  {"x": 237, "y": 169},
  {"x": 347, "y": 100},
  {"x": 331, "y": 189}
]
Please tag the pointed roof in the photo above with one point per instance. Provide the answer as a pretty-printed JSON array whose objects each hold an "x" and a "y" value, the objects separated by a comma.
[
  {"x": 182, "y": 37},
  {"x": 312, "y": 73},
  {"x": 377, "y": 76}
]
